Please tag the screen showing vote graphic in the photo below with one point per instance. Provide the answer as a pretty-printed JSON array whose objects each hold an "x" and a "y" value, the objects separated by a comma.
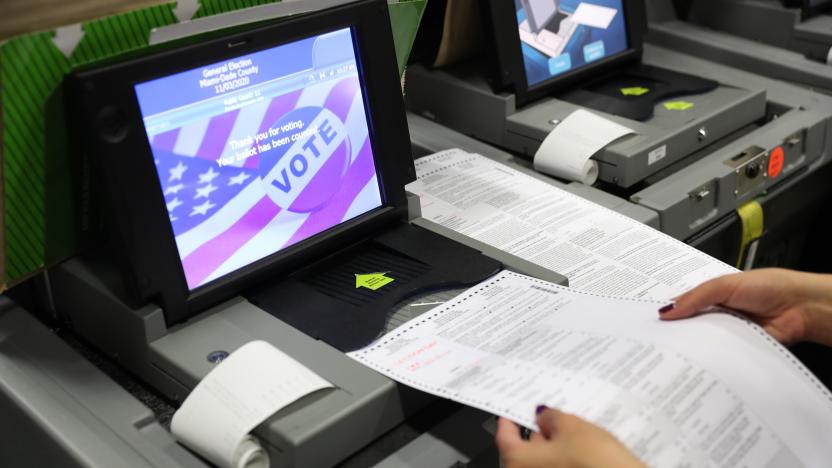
[
  {"x": 259, "y": 152},
  {"x": 558, "y": 36}
]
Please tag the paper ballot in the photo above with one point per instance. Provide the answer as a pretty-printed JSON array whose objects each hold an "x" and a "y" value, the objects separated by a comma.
[
  {"x": 567, "y": 150},
  {"x": 253, "y": 383},
  {"x": 713, "y": 391},
  {"x": 599, "y": 250}
]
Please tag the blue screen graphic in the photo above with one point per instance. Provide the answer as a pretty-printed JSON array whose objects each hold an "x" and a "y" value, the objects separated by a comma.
[
  {"x": 261, "y": 151},
  {"x": 558, "y": 36}
]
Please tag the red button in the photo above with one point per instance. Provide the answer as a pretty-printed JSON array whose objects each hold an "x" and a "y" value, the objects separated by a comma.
[{"x": 775, "y": 162}]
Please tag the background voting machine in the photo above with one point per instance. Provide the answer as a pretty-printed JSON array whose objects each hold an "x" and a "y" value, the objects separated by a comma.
[
  {"x": 259, "y": 195},
  {"x": 258, "y": 184},
  {"x": 701, "y": 140},
  {"x": 758, "y": 36},
  {"x": 804, "y": 26}
]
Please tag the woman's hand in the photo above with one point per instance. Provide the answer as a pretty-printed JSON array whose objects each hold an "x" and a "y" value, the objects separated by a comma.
[
  {"x": 564, "y": 441},
  {"x": 792, "y": 306}
]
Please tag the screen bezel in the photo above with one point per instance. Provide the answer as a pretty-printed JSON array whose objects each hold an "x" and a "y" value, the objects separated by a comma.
[
  {"x": 512, "y": 71},
  {"x": 811, "y": 10},
  {"x": 807, "y": 10},
  {"x": 142, "y": 233}
]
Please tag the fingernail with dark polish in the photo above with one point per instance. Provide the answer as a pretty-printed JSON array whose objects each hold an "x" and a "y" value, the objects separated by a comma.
[
  {"x": 540, "y": 409},
  {"x": 667, "y": 308}
]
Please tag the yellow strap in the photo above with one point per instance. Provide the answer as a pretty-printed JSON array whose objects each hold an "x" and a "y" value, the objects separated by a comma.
[{"x": 751, "y": 215}]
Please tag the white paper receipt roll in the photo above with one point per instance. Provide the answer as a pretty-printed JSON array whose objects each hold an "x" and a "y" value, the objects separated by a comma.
[
  {"x": 251, "y": 384},
  {"x": 566, "y": 151}
]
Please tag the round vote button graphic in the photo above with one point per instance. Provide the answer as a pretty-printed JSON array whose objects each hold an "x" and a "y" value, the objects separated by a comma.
[{"x": 305, "y": 159}]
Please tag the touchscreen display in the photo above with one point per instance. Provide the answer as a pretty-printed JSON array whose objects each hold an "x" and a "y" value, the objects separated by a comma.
[
  {"x": 261, "y": 151},
  {"x": 558, "y": 36}
]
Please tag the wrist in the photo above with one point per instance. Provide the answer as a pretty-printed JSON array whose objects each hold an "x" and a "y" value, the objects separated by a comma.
[
  {"x": 818, "y": 322},
  {"x": 812, "y": 298}
]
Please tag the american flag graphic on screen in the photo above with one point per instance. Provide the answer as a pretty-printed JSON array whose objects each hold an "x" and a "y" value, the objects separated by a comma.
[{"x": 232, "y": 201}]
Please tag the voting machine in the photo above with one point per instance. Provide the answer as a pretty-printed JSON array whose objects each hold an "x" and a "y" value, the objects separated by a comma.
[
  {"x": 789, "y": 209},
  {"x": 253, "y": 189},
  {"x": 804, "y": 26},
  {"x": 697, "y": 156},
  {"x": 50, "y": 400},
  {"x": 758, "y": 36}
]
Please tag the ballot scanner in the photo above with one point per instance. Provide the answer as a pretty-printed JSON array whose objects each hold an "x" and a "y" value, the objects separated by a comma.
[
  {"x": 705, "y": 147},
  {"x": 249, "y": 183},
  {"x": 69, "y": 404},
  {"x": 793, "y": 237},
  {"x": 803, "y": 26},
  {"x": 757, "y": 36},
  {"x": 366, "y": 413}
]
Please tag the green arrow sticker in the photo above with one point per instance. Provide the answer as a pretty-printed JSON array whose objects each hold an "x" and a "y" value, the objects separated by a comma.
[
  {"x": 372, "y": 281},
  {"x": 635, "y": 91},
  {"x": 678, "y": 105}
]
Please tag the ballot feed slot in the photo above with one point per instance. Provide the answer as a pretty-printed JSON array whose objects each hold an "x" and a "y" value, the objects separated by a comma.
[{"x": 329, "y": 300}]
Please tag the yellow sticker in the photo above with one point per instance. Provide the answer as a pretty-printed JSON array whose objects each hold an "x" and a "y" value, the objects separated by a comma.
[
  {"x": 678, "y": 105},
  {"x": 372, "y": 281},
  {"x": 635, "y": 91}
]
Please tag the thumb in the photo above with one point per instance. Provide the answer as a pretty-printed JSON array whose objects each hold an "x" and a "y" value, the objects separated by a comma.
[
  {"x": 547, "y": 421},
  {"x": 553, "y": 422},
  {"x": 713, "y": 292}
]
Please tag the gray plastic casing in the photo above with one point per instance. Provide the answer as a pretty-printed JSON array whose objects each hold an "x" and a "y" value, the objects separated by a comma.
[
  {"x": 462, "y": 99},
  {"x": 768, "y": 22},
  {"x": 60, "y": 410},
  {"x": 697, "y": 183}
]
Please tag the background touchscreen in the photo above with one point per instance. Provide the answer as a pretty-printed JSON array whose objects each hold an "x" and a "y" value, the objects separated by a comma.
[{"x": 558, "y": 36}]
